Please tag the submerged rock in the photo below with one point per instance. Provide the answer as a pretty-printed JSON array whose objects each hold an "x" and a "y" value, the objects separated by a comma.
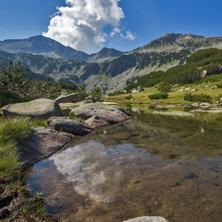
[
  {"x": 96, "y": 122},
  {"x": 43, "y": 143},
  {"x": 147, "y": 219},
  {"x": 110, "y": 114},
  {"x": 69, "y": 125},
  {"x": 40, "y": 108}
]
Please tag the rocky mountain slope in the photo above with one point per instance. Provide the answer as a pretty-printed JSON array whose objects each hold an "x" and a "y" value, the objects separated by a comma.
[{"x": 108, "y": 69}]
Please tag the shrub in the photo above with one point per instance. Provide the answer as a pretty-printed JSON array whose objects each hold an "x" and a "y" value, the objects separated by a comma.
[
  {"x": 219, "y": 85},
  {"x": 161, "y": 95},
  {"x": 129, "y": 97},
  {"x": 116, "y": 93},
  {"x": 164, "y": 87},
  {"x": 197, "y": 97}
]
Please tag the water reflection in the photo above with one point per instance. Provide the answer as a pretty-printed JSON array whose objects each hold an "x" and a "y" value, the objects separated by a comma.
[
  {"x": 150, "y": 165},
  {"x": 95, "y": 169}
]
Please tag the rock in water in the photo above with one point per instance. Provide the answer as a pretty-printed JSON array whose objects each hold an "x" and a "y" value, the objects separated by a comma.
[
  {"x": 69, "y": 125},
  {"x": 148, "y": 219},
  {"x": 96, "y": 122},
  {"x": 71, "y": 98},
  {"x": 43, "y": 143},
  {"x": 40, "y": 108},
  {"x": 110, "y": 114}
]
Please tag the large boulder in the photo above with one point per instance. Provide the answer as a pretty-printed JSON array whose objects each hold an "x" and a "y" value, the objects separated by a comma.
[
  {"x": 40, "y": 108},
  {"x": 42, "y": 144},
  {"x": 96, "y": 122},
  {"x": 71, "y": 98},
  {"x": 69, "y": 125},
  {"x": 110, "y": 114},
  {"x": 148, "y": 219}
]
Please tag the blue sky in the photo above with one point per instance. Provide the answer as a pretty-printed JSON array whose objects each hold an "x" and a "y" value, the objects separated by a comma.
[{"x": 132, "y": 23}]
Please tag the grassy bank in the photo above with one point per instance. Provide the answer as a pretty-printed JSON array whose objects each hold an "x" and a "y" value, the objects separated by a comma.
[
  {"x": 12, "y": 132},
  {"x": 174, "y": 96}
]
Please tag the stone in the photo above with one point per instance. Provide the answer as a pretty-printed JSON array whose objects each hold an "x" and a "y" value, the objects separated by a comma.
[
  {"x": 71, "y": 98},
  {"x": 96, "y": 122},
  {"x": 69, "y": 125},
  {"x": 40, "y": 108},
  {"x": 181, "y": 90},
  {"x": 147, "y": 219},
  {"x": 187, "y": 89},
  {"x": 205, "y": 105},
  {"x": 195, "y": 105},
  {"x": 42, "y": 144},
  {"x": 111, "y": 114},
  {"x": 214, "y": 87},
  {"x": 134, "y": 91},
  {"x": 193, "y": 90}
]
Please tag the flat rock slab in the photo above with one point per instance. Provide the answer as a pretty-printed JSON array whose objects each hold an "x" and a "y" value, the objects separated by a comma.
[
  {"x": 42, "y": 144},
  {"x": 40, "y": 108},
  {"x": 110, "y": 114},
  {"x": 71, "y": 98},
  {"x": 148, "y": 219},
  {"x": 69, "y": 125},
  {"x": 96, "y": 122}
]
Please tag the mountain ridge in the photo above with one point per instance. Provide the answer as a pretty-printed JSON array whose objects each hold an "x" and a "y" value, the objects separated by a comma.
[{"x": 109, "y": 69}]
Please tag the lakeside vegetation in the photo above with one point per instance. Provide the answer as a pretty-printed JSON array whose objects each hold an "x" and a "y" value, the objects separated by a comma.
[{"x": 202, "y": 73}]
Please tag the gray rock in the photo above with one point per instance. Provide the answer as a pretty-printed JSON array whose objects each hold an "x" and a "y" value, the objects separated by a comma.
[
  {"x": 147, "y": 219},
  {"x": 193, "y": 90},
  {"x": 205, "y": 105},
  {"x": 111, "y": 114},
  {"x": 96, "y": 122},
  {"x": 69, "y": 125},
  {"x": 71, "y": 98},
  {"x": 40, "y": 108},
  {"x": 195, "y": 104},
  {"x": 214, "y": 87},
  {"x": 42, "y": 144}
]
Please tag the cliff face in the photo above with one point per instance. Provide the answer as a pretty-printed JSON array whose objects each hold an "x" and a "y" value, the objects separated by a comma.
[{"x": 109, "y": 68}]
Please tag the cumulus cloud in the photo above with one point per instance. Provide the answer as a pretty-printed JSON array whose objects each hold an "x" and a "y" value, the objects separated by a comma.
[
  {"x": 96, "y": 170},
  {"x": 80, "y": 24}
]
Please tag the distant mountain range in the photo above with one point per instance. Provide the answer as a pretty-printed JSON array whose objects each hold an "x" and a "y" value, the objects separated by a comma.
[{"x": 109, "y": 68}]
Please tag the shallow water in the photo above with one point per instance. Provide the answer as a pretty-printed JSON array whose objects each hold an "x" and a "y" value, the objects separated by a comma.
[{"x": 151, "y": 165}]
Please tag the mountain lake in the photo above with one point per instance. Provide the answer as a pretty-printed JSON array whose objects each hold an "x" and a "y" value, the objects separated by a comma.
[{"x": 164, "y": 161}]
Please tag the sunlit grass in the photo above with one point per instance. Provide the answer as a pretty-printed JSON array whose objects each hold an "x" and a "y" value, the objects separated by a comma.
[
  {"x": 12, "y": 131},
  {"x": 174, "y": 96}
]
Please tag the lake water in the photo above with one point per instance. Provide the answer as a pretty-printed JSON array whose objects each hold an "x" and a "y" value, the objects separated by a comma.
[{"x": 155, "y": 164}]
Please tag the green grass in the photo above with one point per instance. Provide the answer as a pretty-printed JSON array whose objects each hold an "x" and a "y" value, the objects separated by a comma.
[
  {"x": 12, "y": 131},
  {"x": 173, "y": 96}
]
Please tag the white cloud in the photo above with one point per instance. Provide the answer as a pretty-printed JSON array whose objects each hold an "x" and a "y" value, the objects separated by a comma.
[
  {"x": 96, "y": 170},
  {"x": 117, "y": 31},
  {"x": 80, "y": 24}
]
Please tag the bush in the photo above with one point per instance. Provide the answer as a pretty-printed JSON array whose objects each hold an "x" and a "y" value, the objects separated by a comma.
[
  {"x": 97, "y": 94},
  {"x": 129, "y": 97},
  {"x": 9, "y": 98},
  {"x": 116, "y": 93},
  {"x": 161, "y": 95},
  {"x": 164, "y": 87},
  {"x": 219, "y": 85},
  {"x": 197, "y": 97}
]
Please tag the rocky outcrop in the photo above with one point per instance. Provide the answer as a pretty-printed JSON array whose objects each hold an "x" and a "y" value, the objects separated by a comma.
[
  {"x": 110, "y": 114},
  {"x": 43, "y": 143},
  {"x": 71, "y": 98},
  {"x": 148, "y": 219},
  {"x": 69, "y": 125},
  {"x": 40, "y": 108},
  {"x": 96, "y": 122},
  {"x": 12, "y": 201}
]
